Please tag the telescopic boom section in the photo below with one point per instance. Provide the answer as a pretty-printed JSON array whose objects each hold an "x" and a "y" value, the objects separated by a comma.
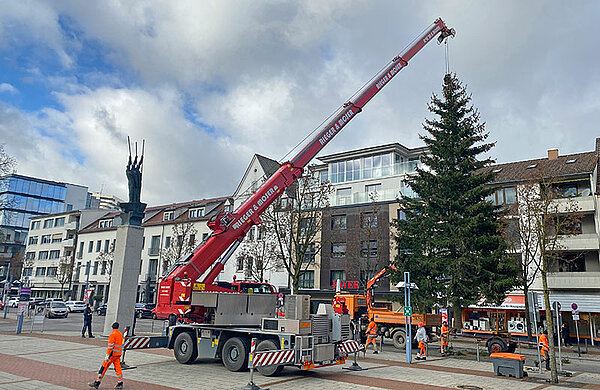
[{"x": 231, "y": 227}]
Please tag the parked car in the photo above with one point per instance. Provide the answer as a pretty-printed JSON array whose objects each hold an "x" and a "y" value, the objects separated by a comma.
[
  {"x": 1, "y": 305},
  {"x": 101, "y": 310},
  {"x": 144, "y": 310},
  {"x": 75, "y": 306},
  {"x": 56, "y": 309},
  {"x": 36, "y": 302},
  {"x": 13, "y": 302}
]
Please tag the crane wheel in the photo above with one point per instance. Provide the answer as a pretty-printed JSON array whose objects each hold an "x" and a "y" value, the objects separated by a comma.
[
  {"x": 268, "y": 345},
  {"x": 185, "y": 348},
  {"x": 235, "y": 354},
  {"x": 399, "y": 338}
]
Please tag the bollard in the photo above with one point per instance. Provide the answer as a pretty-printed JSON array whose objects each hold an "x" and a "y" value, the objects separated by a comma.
[
  {"x": 125, "y": 366},
  {"x": 478, "y": 350},
  {"x": 19, "y": 323},
  {"x": 251, "y": 385}
]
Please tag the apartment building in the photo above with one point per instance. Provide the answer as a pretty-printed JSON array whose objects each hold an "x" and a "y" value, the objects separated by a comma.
[
  {"x": 356, "y": 231},
  {"x": 50, "y": 251},
  {"x": 575, "y": 276},
  {"x": 98, "y": 200},
  {"x": 168, "y": 230},
  {"x": 22, "y": 198}
]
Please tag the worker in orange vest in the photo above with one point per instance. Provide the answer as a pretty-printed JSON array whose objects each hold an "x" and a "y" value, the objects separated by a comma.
[
  {"x": 422, "y": 338},
  {"x": 544, "y": 348},
  {"x": 372, "y": 335},
  {"x": 445, "y": 335},
  {"x": 113, "y": 356}
]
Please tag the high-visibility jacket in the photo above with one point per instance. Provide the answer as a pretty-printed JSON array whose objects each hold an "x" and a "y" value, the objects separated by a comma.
[
  {"x": 115, "y": 343},
  {"x": 445, "y": 331},
  {"x": 544, "y": 342},
  {"x": 372, "y": 329}
]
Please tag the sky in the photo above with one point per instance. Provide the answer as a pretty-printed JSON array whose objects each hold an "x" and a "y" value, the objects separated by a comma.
[{"x": 207, "y": 84}]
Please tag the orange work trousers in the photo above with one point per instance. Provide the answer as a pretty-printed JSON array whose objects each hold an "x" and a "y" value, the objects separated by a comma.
[
  {"x": 444, "y": 344},
  {"x": 116, "y": 362},
  {"x": 422, "y": 348},
  {"x": 371, "y": 340}
]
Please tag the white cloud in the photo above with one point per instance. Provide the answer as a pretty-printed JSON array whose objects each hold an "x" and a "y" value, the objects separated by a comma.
[{"x": 5, "y": 87}]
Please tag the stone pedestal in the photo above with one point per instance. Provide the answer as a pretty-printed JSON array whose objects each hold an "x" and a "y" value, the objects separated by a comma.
[{"x": 124, "y": 277}]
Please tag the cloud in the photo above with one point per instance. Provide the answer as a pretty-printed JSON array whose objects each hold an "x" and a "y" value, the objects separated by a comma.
[{"x": 5, "y": 87}]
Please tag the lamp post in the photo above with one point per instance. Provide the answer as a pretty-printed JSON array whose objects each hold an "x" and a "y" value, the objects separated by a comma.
[{"x": 407, "y": 285}]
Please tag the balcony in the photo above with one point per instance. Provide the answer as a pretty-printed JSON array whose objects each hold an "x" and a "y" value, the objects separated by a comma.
[
  {"x": 574, "y": 280},
  {"x": 364, "y": 173},
  {"x": 71, "y": 226},
  {"x": 578, "y": 204},
  {"x": 70, "y": 243},
  {"x": 579, "y": 242},
  {"x": 364, "y": 197}
]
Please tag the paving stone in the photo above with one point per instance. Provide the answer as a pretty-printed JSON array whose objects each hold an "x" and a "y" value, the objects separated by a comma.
[
  {"x": 6, "y": 377},
  {"x": 31, "y": 385}
]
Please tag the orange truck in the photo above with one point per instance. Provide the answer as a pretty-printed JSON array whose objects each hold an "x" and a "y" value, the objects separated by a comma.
[{"x": 390, "y": 324}]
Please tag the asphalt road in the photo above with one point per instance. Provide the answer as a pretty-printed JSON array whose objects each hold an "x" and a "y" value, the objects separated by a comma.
[{"x": 73, "y": 324}]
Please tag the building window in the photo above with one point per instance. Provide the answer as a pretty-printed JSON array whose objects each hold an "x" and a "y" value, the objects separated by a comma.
[
  {"x": 90, "y": 246},
  {"x": 324, "y": 176},
  {"x": 58, "y": 222},
  {"x": 251, "y": 233},
  {"x": 373, "y": 189},
  {"x": 106, "y": 245},
  {"x": 344, "y": 196},
  {"x": 571, "y": 262},
  {"x": 401, "y": 215},
  {"x": 502, "y": 196},
  {"x": 46, "y": 239},
  {"x": 204, "y": 236},
  {"x": 334, "y": 275},
  {"x": 35, "y": 225},
  {"x": 338, "y": 249},
  {"x": 33, "y": 240},
  {"x": 197, "y": 213},
  {"x": 338, "y": 222},
  {"x": 27, "y": 271},
  {"x": 98, "y": 245},
  {"x": 95, "y": 271},
  {"x": 240, "y": 263},
  {"x": 54, "y": 254},
  {"x": 105, "y": 223},
  {"x": 80, "y": 253},
  {"x": 42, "y": 255},
  {"x": 30, "y": 256},
  {"x": 306, "y": 279},
  {"x": 56, "y": 238},
  {"x": 368, "y": 248},
  {"x": 365, "y": 276},
  {"x": 309, "y": 253},
  {"x": 368, "y": 220},
  {"x": 48, "y": 223},
  {"x": 307, "y": 226},
  {"x": 40, "y": 271},
  {"x": 103, "y": 268},
  {"x": 192, "y": 241},
  {"x": 168, "y": 216},
  {"x": 154, "y": 245},
  {"x": 167, "y": 241},
  {"x": 51, "y": 271}
]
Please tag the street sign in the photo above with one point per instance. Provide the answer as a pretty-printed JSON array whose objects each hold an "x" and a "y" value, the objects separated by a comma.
[
  {"x": 574, "y": 307},
  {"x": 22, "y": 308},
  {"x": 407, "y": 311},
  {"x": 575, "y": 317},
  {"x": 556, "y": 306}
]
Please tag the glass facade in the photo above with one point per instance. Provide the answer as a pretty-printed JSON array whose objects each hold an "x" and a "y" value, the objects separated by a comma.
[
  {"x": 371, "y": 167},
  {"x": 25, "y": 198}
]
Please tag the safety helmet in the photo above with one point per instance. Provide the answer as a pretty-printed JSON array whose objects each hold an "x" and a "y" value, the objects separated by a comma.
[{"x": 420, "y": 324}]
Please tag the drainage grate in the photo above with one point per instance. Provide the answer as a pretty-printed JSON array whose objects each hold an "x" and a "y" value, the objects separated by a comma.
[{"x": 469, "y": 387}]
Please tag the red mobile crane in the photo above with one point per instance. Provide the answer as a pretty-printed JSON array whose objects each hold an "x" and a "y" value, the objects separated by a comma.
[{"x": 175, "y": 289}]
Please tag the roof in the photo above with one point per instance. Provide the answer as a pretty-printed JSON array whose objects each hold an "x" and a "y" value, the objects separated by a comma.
[
  {"x": 154, "y": 215},
  {"x": 576, "y": 164},
  {"x": 409, "y": 152},
  {"x": 269, "y": 166}
]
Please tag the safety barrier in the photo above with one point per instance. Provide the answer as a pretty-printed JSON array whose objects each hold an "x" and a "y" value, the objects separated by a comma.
[
  {"x": 350, "y": 346},
  {"x": 137, "y": 342}
]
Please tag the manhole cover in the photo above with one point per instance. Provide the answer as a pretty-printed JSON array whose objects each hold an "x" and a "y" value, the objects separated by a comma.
[{"x": 469, "y": 387}]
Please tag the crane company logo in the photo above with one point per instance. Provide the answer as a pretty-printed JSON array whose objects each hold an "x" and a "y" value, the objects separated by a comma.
[
  {"x": 337, "y": 126},
  {"x": 431, "y": 34},
  {"x": 255, "y": 207},
  {"x": 390, "y": 73}
]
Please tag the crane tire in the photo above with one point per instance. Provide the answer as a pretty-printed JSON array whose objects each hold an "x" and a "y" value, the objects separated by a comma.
[
  {"x": 235, "y": 354},
  {"x": 185, "y": 348},
  {"x": 268, "y": 345}
]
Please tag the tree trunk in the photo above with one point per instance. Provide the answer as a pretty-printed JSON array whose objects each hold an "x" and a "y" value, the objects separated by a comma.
[
  {"x": 550, "y": 322},
  {"x": 456, "y": 316},
  {"x": 527, "y": 313}
]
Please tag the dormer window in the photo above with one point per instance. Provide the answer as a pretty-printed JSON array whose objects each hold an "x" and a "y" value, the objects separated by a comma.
[
  {"x": 531, "y": 166},
  {"x": 168, "y": 216},
  {"x": 571, "y": 160},
  {"x": 105, "y": 223},
  {"x": 497, "y": 170},
  {"x": 197, "y": 212}
]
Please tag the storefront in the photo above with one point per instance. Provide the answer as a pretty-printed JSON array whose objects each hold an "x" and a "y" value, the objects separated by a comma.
[{"x": 483, "y": 318}]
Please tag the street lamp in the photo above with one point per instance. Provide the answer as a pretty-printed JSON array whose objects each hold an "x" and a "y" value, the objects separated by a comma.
[{"x": 407, "y": 285}]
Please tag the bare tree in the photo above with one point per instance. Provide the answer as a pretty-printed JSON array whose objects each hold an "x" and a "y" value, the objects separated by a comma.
[
  {"x": 295, "y": 221},
  {"x": 546, "y": 220},
  {"x": 259, "y": 254},
  {"x": 106, "y": 258},
  {"x": 64, "y": 272},
  {"x": 7, "y": 162},
  {"x": 183, "y": 241}
]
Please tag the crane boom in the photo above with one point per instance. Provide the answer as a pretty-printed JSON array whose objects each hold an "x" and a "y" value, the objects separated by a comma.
[{"x": 232, "y": 227}]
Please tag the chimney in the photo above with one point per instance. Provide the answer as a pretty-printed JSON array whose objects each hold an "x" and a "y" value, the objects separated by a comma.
[{"x": 552, "y": 154}]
